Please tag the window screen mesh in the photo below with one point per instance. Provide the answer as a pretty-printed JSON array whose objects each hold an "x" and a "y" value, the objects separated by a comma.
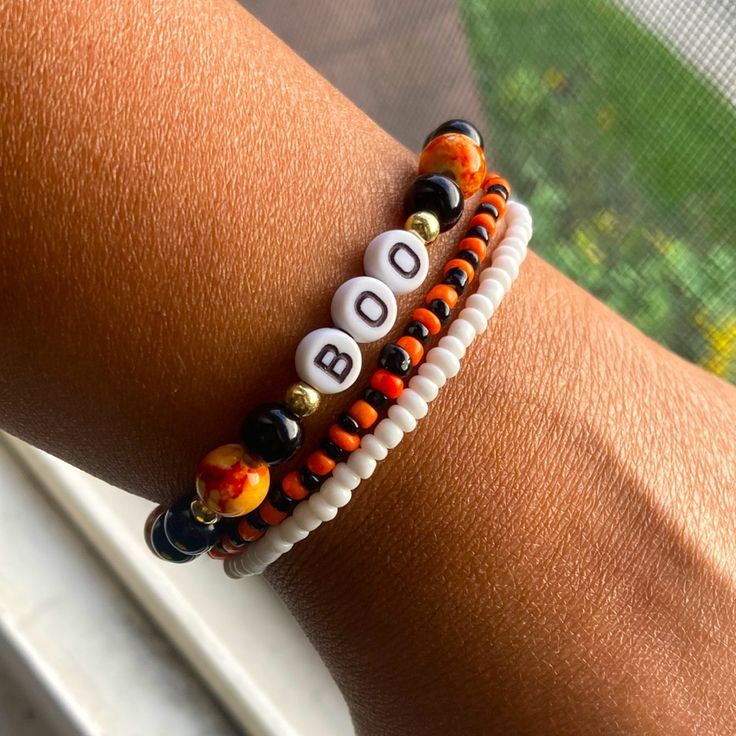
[{"x": 616, "y": 121}]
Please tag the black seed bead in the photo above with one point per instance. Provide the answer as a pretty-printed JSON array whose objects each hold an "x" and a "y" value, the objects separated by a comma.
[
  {"x": 279, "y": 500},
  {"x": 470, "y": 256},
  {"x": 309, "y": 480},
  {"x": 163, "y": 547},
  {"x": 255, "y": 520},
  {"x": 229, "y": 531},
  {"x": 221, "y": 549},
  {"x": 438, "y": 194},
  {"x": 457, "y": 126},
  {"x": 488, "y": 208},
  {"x": 375, "y": 398},
  {"x": 478, "y": 231},
  {"x": 333, "y": 451},
  {"x": 441, "y": 309},
  {"x": 457, "y": 278},
  {"x": 395, "y": 360},
  {"x": 186, "y": 533},
  {"x": 346, "y": 422},
  {"x": 272, "y": 433},
  {"x": 498, "y": 189},
  {"x": 418, "y": 331}
]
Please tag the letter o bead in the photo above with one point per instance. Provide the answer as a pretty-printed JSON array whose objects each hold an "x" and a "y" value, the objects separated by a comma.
[
  {"x": 365, "y": 308},
  {"x": 399, "y": 259},
  {"x": 329, "y": 360}
]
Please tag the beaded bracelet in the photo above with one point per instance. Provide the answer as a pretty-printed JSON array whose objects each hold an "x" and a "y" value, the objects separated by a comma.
[
  {"x": 396, "y": 362},
  {"x": 442, "y": 361},
  {"x": 233, "y": 480}
]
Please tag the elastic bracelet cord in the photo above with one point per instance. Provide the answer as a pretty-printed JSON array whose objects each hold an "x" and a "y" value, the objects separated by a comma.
[
  {"x": 234, "y": 480},
  {"x": 442, "y": 362}
]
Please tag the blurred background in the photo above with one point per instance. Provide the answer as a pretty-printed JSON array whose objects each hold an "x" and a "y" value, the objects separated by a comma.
[{"x": 616, "y": 122}]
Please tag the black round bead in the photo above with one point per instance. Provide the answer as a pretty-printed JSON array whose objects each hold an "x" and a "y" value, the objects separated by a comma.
[
  {"x": 255, "y": 520},
  {"x": 470, "y": 256},
  {"x": 395, "y": 360},
  {"x": 440, "y": 308},
  {"x": 438, "y": 194},
  {"x": 375, "y": 398},
  {"x": 498, "y": 189},
  {"x": 186, "y": 533},
  {"x": 488, "y": 208},
  {"x": 309, "y": 480},
  {"x": 478, "y": 231},
  {"x": 272, "y": 433},
  {"x": 332, "y": 450},
  {"x": 457, "y": 278},
  {"x": 279, "y": 500},
  {"x": 163, "y": 547},
  {"x": 457, "y": 126},
  {"x": 418, "y": 331},
  {"x": 346, "y": 422}
]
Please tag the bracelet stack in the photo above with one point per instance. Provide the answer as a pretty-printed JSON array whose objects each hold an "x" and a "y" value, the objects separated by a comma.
[{"x": 236, "y": 498}]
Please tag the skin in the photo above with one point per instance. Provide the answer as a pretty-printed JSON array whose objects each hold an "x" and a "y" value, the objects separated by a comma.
[{"x": 552, "y": 551}]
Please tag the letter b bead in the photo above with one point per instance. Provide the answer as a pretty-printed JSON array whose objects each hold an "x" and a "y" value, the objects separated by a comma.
[
  {"x": 329, "y": 360},
  {"x": 365, "y": 308},
  {"x": 399, "y": 259}
]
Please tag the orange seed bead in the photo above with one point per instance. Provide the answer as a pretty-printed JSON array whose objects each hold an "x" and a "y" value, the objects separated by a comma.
[
  {"x": 412, "y": 346},
  {"x": 486, "y": 220},
  {"x": 248, "y": 532},
  {"x": 319, "y": 463},
  {"x": 363, "y": 413},
  {"x": 343, "y": 439},
  {"x": 462, "y": 264},
  {"x": 271, "y": 515},
  {"x": 430, "y": 320},
  {"x": 291, "y": 485},
  {"x": 476, "y": 245},
  {"x": 497, "y": 201},
  {"x": 387, "y": 383},
  {"x": 495, "y": 178},
  {"x": 444, "y": 292}
]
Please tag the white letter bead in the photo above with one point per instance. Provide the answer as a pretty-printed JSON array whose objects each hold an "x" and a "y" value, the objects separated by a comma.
[
  {"x": 335, "y": 493},
  {"x": 498, "y": 275},
  {"x": 402, "y": 417},
  {"x": 482, "y": 303},
  {"x": 399, "y": 259},
  {"x": 463, "y": 331},
  {"x": 361, "y": 463},
  {"x": 365, "y": 308},
  {"x": 321, "y": 508},
  {"x": 424, "y": 387},
  {"x": 444, "y": 360},
  {"x": 389, "y": 433},
  {"x": 345, "y": 477},
  {"x": 508, "y": 264},
  {"x": 305, "y": 517},
  {"x": 291, "y": 531},
  {"x": 475, "y": 318},
  {"x": 373, "y": 446},
  {"x": 413, "y": 402},
  {"x": 433, "y": 373},
  {"x": 455, "y": 346},
  {"x": 328, "y": 359}
]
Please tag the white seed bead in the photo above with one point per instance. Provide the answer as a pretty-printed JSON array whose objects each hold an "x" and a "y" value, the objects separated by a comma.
[
  {"x": 507, "y": 264},
  {"x": 305, "y": 517},
  {"x": 482, "y": 303},
  {"x": 463, "y": 331},
  {"x": 424, "y": 387},
  {"x": 365, "y": 308},
  {"x": 403, "y": 417},
  {"x": 413, "y": 402},
  {"x": 516, "y": 210},
  {"x": 399, "y": 259},
  {"x": 345, "y": 477},
  {"x": 335, "y": 493},
  {"x": 291, "y": 531},
  {"x": 361, "y": 463},
  {"x": 373, "y": 446},
  {"x": 517, "y": 245},
  {"x": 455, "y": 346},
  {"x": 519, "y": 230},
  {"x": 475, "y": 318},
  {"x": 274, "y": 544},
  {"x": 498, "y": 275},
  {"x": 328, "y": 359},
  {"x": 444, "y": 360},
  {"x": 493, "y": 290},
  {"x": 433, "y": 373},
  {"x": 321, "y": 507},
  {"x": 505, "y": 250},
  {"x": 389, "y": 433}
]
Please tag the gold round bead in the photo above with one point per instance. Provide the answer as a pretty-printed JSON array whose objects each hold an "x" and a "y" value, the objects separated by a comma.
[
  {"x": 302, "y": 399},
  {"x": 203, "y": 514},
  {"x": 425, "y": 225}
]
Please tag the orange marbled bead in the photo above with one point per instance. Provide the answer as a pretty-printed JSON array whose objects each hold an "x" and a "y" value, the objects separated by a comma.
[
  {"x": 231, "y": 482},
  {"x": 459, "y": 157}
]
